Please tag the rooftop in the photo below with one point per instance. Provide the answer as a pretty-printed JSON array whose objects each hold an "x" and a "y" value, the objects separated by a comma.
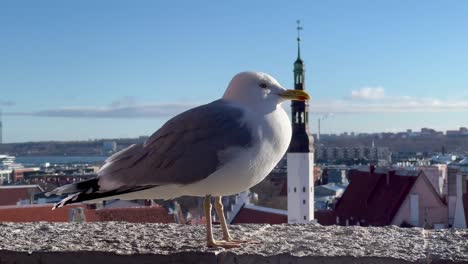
[
  {"x": 373, "y": 198},
  {"x": 12, "y": 194},
  {"x": 35, "y": 213}
]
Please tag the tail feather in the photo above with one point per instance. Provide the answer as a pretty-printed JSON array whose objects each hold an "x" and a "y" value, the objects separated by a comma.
[
  {"x": 89, "y": 190},
  {"x": 87, "y": 185}
]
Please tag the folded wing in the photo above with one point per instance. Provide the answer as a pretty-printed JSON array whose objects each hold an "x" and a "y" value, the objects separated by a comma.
[{"x": 185, "y": 150}]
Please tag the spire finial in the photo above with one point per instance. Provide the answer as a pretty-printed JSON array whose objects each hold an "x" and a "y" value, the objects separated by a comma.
[{"x": 299, "y": 28}]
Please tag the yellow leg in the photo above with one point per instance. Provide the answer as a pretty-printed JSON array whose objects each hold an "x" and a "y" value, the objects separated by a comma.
[
  {"x": 209, "y": 230},
  {"x": 220, "y": 211},
  {"x": 227, "y": 237}
]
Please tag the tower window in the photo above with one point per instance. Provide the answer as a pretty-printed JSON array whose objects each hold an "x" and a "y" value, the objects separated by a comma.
[
  {"x": 304, "y": 189},
  {"x": 303, "y": 201},
  {"x": 305, "y": 217},
  {"x": 294, "y": 189}
]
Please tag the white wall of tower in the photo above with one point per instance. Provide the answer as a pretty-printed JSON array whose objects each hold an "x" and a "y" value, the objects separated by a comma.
[{"x": 300, "y": 187}]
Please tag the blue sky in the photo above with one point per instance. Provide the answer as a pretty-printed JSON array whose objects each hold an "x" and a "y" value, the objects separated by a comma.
[{"x": 77, "y": 70}]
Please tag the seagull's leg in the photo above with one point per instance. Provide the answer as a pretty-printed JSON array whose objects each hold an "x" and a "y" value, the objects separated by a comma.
[
  {"x": 220, "y": 211},
  {"x": 209, "y": 230}
]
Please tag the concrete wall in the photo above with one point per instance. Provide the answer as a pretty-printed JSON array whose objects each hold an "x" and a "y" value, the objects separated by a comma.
[{"x": 119, "y": 242}]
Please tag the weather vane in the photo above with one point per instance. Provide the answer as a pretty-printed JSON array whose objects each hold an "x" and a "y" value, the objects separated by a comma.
[{"x": 299, "y": 28}]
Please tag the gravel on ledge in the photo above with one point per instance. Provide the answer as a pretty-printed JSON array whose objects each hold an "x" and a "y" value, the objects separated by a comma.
[{"x": 278, "y": 243}]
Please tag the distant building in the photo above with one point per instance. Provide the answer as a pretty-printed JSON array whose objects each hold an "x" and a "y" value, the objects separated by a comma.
[
  {"x": 18, "y": 174},
  {"x": 109, "y": 147},
  {"x": 5, "y": 176},
  {"x": 18, "y": 194},
  {"x": 437, "y": 176},
  {"x": 344, "y": 154},
  {"x": 379, "y": 197},
  {"x": 461, "y": 132},
  {"x": 8, "y": 163},
  {"x": 326, "y": 195},
  {"x": 335, "y": 174},
  {"x": 457, "y": 195},
  {"x": 443, "y": 159}
]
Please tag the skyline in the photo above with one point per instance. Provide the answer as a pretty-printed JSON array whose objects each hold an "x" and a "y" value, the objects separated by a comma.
[{"x": 78, "y": 71}]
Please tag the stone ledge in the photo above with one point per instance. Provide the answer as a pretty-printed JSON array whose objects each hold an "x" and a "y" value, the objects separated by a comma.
[{"x": 118, "y": 242}]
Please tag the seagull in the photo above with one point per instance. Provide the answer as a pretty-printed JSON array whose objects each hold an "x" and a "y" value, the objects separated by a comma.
[{"x": 218, "y": 149}]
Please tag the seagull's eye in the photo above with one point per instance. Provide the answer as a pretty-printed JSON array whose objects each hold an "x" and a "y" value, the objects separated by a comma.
[{"x": 263, "y": 85}]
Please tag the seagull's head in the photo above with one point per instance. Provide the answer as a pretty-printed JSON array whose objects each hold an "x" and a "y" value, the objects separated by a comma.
[{"x": 257, "y": 88}]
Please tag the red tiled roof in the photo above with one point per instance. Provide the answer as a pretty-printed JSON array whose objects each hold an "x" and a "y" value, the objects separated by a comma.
[
  {"x": 252, "y": 216},
  {"x": 371, "y": 200},
  {"x": 36, "y": 213},
  {"x": 10, "y": 196},
  {"x": 325, "y": 217}
]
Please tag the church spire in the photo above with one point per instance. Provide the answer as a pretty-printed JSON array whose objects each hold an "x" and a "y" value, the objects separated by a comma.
[
  {"x": 300, "y": 157},
  {"x": 299, "y": 28},
  {"x": 301, "y": 141}
]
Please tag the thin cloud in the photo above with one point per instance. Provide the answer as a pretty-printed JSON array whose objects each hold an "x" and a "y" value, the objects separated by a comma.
[
  {"x": 124, "y": 101},
  {"x": 128, "y": 108},
  {"x": 7, "y": 103},
  {"x": 368, "y": 93},
  {"x": 137, "y": 111},
  {"x": 390, "y": 104}
]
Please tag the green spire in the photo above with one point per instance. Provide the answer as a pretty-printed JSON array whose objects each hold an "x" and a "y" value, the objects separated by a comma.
[{"x": 299, "y": 28}]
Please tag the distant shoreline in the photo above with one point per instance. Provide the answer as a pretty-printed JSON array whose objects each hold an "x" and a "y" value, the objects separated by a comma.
[{"x": 53, "y": 159}]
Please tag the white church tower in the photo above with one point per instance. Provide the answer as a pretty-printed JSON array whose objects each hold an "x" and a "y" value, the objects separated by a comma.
[{"x": 300, "y": 156}]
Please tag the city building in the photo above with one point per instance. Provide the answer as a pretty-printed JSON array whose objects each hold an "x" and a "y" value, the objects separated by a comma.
[
  {"x": 379, "y": 155},
  {"x": 379, "y": 197},
  {"x": 18, "y": 194},
  {"x": 457, "y": 195},
  {"x": 8, "y": 162},
  {"x": 461, "y": 132},
  {"x": 109, "y": 147},
  {"x": 5, "y": 176}
]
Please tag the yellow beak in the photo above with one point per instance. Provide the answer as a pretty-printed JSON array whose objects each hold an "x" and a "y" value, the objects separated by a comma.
[{"x": 297, "y": 95}]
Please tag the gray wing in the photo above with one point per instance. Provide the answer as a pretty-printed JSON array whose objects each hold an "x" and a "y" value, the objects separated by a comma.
[{"x": 184, "y": 150}]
